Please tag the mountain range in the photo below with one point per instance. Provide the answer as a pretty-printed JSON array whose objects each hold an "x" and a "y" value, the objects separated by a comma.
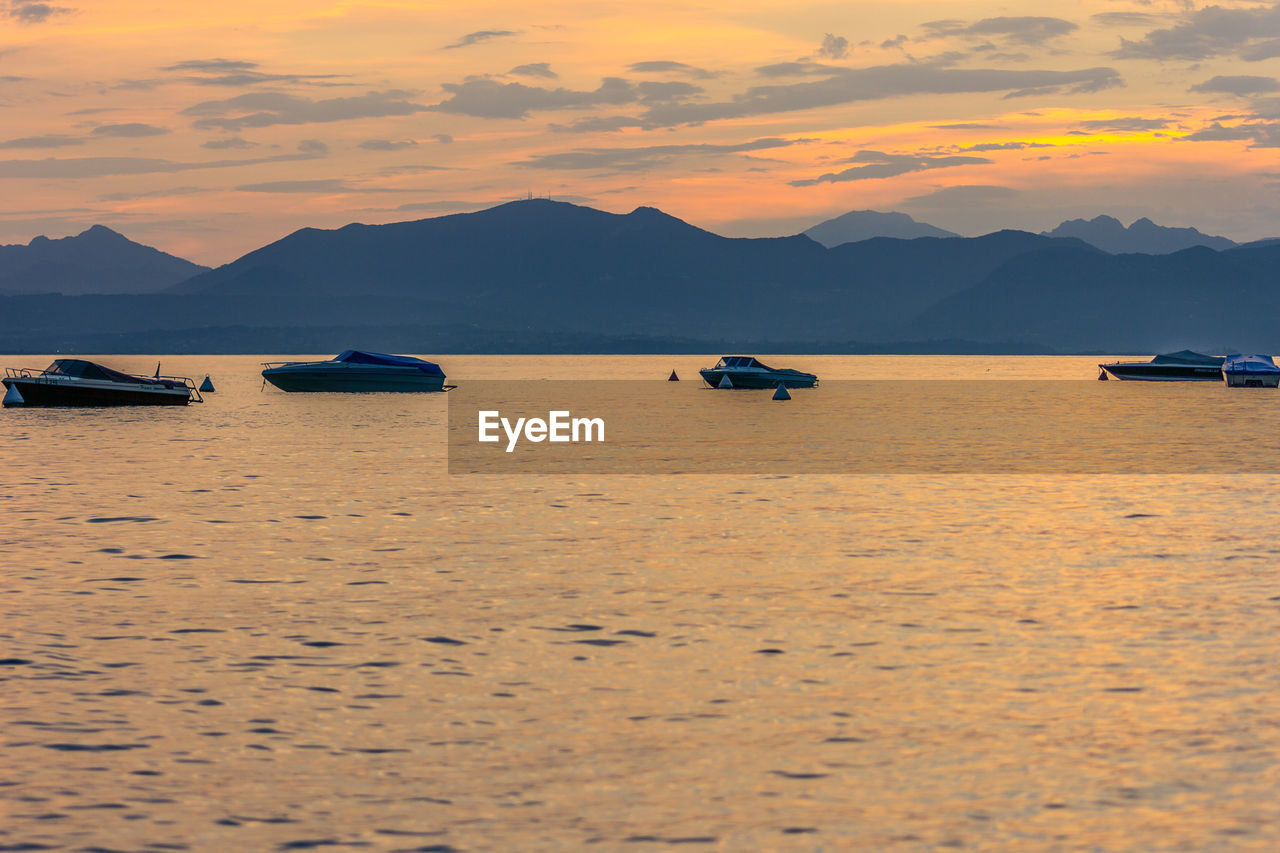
[
  {"x": 98, "y": 260},
  {"x": 544, "y": 276},
  {"x": 1142, "y": 237}
]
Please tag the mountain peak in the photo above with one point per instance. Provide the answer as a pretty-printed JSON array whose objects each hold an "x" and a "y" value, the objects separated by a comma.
[
  {"x": 1142, "y": 237},
  {"x": 858, "y": 225}
]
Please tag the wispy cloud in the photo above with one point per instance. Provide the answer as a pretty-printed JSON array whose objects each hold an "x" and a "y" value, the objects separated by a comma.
[
  {"x": 666, "y": 66},
  {"x": 387, "y": 144},
  {"x": 53, "y": 140},
  {"x": 872, "y": 165},
  {"x": 886, "y": 81},
  {"x": 1212, "y": 31},
  {"x": 491, "y": 99},
  {"x": 263, "y": 109},
  {"x": 27, "y": 12},
  {"x": 237, "y": 72},
  {"x": 1029, "y": 30},
  {"x": 480, "y": 36},
  {"x": 96, "y": 167},
  {"x": 646, "y": 157},
  {"x": 534, "y": 69},
  {"x": 1238, "y": 85},
  {"x": 130, "y": 130}
]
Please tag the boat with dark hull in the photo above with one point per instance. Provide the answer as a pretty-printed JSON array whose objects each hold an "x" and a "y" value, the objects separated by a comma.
[
  {"x": 78, "y": 382},
  {"x": 744, "y": 371},
  {"x": 356, "y": 371},
  {"x": 1181, "y": 366}
]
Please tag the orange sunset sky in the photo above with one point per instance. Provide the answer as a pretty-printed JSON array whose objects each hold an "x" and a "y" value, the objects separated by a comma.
[{"x": 208, "y": 130}]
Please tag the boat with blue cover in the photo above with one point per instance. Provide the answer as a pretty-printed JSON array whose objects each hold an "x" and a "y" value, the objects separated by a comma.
[
  {"x": 745, "y": 371},
  {"x": 357, "y": 370},
  {"x": 79, "y": 382},
  {"x": 1250, "y": 371}
]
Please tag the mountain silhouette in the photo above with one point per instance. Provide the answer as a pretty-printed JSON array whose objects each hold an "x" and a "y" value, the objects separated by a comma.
[
  {"x": 544, "y": 276},
  {"x": 98, "y": 260},
  {"x": 858, "y": 225},
  {"x": 1143, "y": 236}
]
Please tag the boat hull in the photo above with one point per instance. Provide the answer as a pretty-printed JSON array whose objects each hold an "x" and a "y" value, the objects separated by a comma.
[
  {"x": 1252, "y": 380},
  {"x": 344, "y": 380},
  {"x": 1163, "y": 372},
  {"x": 37, "y": 391},
  {"x": 752, "y": 379}
]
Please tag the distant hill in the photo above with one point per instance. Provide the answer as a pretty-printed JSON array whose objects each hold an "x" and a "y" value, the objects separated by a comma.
[
  {"x": 98, "y": 260},
  {"x": 1143, "y": 236},
  {"x": 1089, "y": 301},
  {"x": 543, "y": 276},
  {"x": 858, "y": 225}
]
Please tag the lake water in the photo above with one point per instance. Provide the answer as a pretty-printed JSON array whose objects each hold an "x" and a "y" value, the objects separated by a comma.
[{"x": 277, "y": 622}]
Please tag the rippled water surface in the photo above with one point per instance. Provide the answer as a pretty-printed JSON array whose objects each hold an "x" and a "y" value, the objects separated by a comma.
[{"x": 276, "y": 622}]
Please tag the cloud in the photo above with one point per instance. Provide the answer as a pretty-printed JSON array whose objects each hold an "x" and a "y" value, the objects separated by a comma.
[
  {"x": 886, "y": 81},
  {"x": 314, "y": 147},
  {"x": 490, "y": 99},
  {"x": 480, "y": 36},
  {"x": 1259, "y": 133},
  {"x": 212, "y": 66},
  {"x": 1124, "y": 19},
  {"x": 1005, "y": 146},
  {"x": 834, "y": 47},
  {"x": 1129, "y": 124},
  {"x": 876, "y": 164},
  {"x": 1208, "y": 32},
  {"x": 263, "y": 109},
  {"x": 1239, "y": 85},
  {"x": 597, "y": 124},
  {"x": 1023, "y": 30},
  {"x": 965, "y": 125},
  {"x": 1030, "y": 30},
  {"x": 801, "y": 68},
  {"x": 129, "y": 130},
  {"x": 664, "y": 66},
  {"x": 96, "y": 167},
  {"x": 237, "y": 72},
  {"x": 962, "y": 197},
  {"x": 167, "y": 193},
  {"x": 332, "y": 185},
  {"x": 386, "y": 145},
  {"x": 1216, "y": 132},
  {"x": 53, "y": 140},
  {"x": 33, "y": 13},
  {"x": 535, "y": 69},
  {"x": 230, "y": 142},
  {"x": 648, "y": 157},
  {"x": 443, "y": 138}
]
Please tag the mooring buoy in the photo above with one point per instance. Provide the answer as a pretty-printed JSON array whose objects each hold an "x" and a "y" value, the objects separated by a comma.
[
  {"x": 13, "y": 397},
  {"x": 673, "y": 377},
  {"x": 725, "y": 382},
  {"x": 206, "y": 387},
  {"x": 782, "y": 393}
]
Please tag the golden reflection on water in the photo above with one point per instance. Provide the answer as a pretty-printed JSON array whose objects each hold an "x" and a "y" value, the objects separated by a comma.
[{"x": 275, "y": 622}]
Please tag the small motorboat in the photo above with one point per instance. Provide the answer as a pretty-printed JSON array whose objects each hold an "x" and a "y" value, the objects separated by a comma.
[
  {"x": 1181, "y": 366},
  {"x": 744, "y": 371},
  {"x": 1250, "y": 371},
  {"x": 77, "y": 382},
  {"x": 357, "y": 370}
]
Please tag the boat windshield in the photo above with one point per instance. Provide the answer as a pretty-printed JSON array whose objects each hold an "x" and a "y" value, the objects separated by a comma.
[
  {"x": 81, "y": 369},
  {"x": 740, "y": 361}
]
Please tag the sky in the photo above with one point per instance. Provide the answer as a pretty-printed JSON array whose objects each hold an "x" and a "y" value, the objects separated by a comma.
[{"x": 209, "y": 130}]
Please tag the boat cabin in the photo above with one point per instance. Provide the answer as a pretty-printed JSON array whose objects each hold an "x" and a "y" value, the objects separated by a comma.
[{"x": 739, "y": 361}]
